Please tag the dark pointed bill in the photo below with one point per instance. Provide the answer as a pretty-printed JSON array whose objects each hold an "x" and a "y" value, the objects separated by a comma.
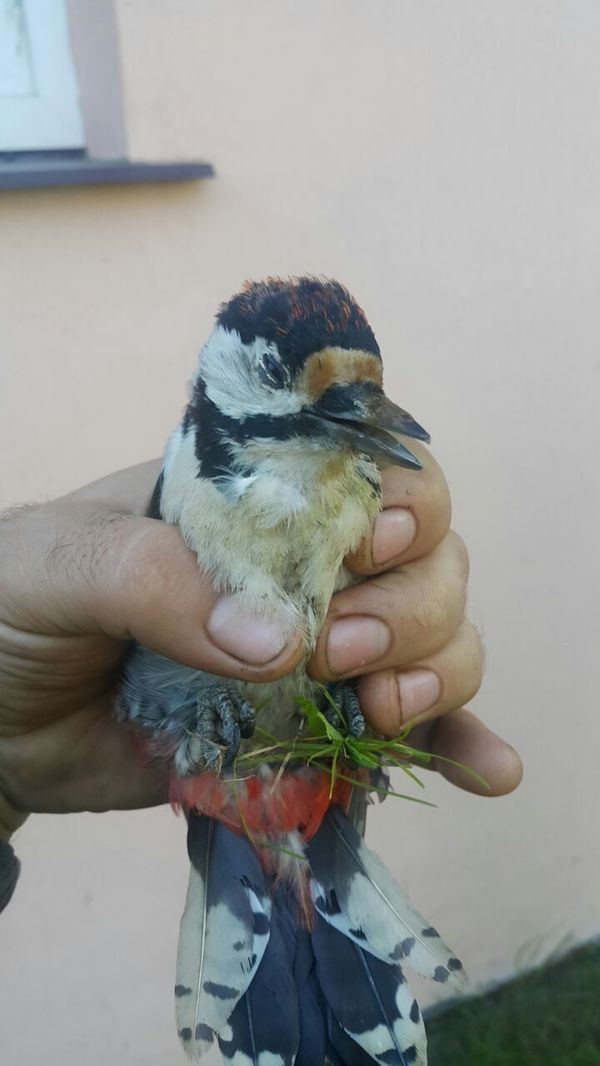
[
  {"x": 367, "y": 426},
  {"x": 389, "y": 416}
]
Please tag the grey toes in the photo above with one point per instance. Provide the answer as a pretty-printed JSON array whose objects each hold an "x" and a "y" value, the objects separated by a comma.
[
  {"x": 356, "y": 721},
  {"x": 211, "y": 729},
  {"x": 224, "y": 718},
  {"x": 227, "y": 727},
  {"x": 347, "y": 716},
  {"x": 247, "y": 718}
]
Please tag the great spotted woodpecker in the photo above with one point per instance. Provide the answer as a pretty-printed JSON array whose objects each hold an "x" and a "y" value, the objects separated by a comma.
[{"x": 294, "y": 934}]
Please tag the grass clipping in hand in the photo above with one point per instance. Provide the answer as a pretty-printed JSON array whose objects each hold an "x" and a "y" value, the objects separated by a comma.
[{"x": 320, "y": 744}]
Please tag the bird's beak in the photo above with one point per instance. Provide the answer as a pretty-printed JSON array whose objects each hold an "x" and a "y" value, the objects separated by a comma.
[{"x": 362, "y": 417}]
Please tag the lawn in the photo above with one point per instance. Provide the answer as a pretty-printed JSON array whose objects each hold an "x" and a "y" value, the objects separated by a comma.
[{"x": 550, "y": 1017}]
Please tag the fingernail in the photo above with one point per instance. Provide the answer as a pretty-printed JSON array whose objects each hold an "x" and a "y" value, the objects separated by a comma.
[
  {"x": 250, "y": 637},
  {"x": 418, "y": 691},
  {"x": 356, "y": 642},
  {"x": 395, "y": 529}
]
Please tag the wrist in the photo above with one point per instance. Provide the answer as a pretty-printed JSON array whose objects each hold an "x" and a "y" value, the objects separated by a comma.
[{"x": 10, "y": 819}]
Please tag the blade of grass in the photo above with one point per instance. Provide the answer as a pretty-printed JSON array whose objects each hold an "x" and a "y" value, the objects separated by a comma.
[{"x": 384, "y": 791}]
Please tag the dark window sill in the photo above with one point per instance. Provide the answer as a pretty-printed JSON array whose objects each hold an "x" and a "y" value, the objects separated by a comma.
[{"x": 35, "y": 173}]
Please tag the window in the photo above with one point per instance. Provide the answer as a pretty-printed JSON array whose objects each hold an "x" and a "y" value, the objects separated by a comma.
[
  {"x": 39, "y": 104},
  {"x": 62, "y": 120}
]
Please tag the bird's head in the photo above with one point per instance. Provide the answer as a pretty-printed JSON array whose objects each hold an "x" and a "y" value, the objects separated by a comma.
[{"x": 294, "y": 359}]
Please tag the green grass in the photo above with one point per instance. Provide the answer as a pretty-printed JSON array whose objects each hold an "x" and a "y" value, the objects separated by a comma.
[
  {"x": 551, "y": 1017},
  {"x": 320, "y": 744}
]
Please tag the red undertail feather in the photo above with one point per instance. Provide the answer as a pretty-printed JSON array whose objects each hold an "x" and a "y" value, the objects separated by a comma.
[{"x": 264, "y": 804}]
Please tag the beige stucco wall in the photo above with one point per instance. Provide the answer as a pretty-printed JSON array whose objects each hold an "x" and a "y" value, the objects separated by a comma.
[{"x": 443, "y": 160}]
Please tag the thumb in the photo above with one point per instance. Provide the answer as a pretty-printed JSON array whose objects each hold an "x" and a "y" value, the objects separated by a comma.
[{"x": 72, "y": 567}]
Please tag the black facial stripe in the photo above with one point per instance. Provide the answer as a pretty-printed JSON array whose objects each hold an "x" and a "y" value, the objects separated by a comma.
[
  {"x": 215, "y": 432},
  {"x": 154, "y": 505}
]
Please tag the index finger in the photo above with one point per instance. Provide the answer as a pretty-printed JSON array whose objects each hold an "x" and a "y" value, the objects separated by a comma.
[
  {"x": 461, "y": 739},
  {"x": 76, "y": 567},
  {"x": 128, "y": 490},
  {"x": 414, "y": 520}
]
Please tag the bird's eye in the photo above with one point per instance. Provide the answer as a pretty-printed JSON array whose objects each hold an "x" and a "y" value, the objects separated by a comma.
[{"x": 272, "y": 372}]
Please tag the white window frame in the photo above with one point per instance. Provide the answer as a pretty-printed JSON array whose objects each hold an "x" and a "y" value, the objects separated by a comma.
[{"x": 49, "y": 118}]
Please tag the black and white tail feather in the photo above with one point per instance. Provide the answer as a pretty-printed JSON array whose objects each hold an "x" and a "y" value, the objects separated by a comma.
[
  {"x": 271, "y": 992},
  {"x": 224, "y": 932}
]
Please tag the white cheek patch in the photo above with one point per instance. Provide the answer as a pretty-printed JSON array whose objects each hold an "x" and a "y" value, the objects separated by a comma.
[
  {"x": 229, "y": 370},
  {"x": 181, "y": 485}
]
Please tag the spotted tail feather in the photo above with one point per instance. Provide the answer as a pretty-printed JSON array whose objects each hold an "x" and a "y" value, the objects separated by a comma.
[
  {"x": 370, "y": 1002},
  {"x": 276, "y": 988},
  {"x": 223, "y": 934},
  {"x": 355, "y": 893},
  {"x": 264, "y": 1027},
  {"x": 342, "y": 1049}
]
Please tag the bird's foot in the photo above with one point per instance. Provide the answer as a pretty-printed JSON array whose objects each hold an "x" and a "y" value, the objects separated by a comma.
[
  {"x": 345, "y": 713},
  {"x": 222, "y": 717}
]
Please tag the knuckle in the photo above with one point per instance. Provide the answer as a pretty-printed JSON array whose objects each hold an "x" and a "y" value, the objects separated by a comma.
[
  {"x": 475, "y": 654},
  {"x": 439, "y": 608},
  {"x": 431, "y": 613},
  {"x": 470, "y": 663},
  {"x": 439, "y": 502},
  {"x": 472, "y": 682},
  {"x": 461, "y": 553}
]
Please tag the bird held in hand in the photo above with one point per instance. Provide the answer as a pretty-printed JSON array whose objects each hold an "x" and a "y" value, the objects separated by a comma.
[{"x": 294, "y": 937}]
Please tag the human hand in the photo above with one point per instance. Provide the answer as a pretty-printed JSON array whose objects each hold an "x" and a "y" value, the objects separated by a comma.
[
  {"x": 404, "y": 634},
  {"x": 85, "y": 574}
]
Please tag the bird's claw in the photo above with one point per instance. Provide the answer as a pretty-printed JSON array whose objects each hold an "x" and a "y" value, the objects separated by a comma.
[
  {"x": 222, "y": 718},
  {"x": 344, "y": 711}
]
